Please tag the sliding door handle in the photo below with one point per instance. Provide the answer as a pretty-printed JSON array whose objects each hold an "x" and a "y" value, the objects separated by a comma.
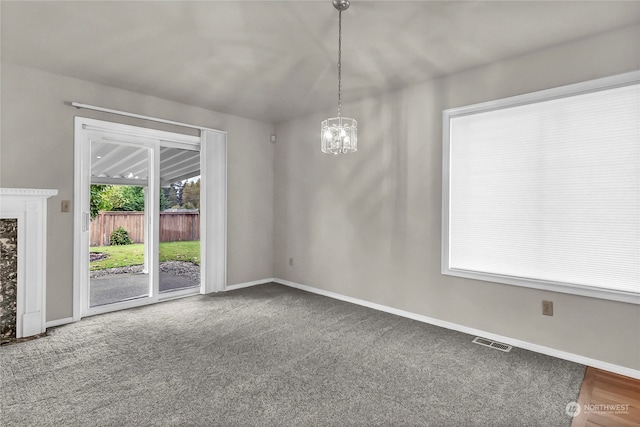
[{"x": 86, "y": 219}]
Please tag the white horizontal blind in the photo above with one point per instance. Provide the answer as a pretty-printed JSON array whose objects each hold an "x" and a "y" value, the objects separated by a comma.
[{"x": 549, "y": 191}]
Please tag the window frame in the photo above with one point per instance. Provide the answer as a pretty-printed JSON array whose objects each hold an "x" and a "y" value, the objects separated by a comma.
[{"x": 581, "y": 88}]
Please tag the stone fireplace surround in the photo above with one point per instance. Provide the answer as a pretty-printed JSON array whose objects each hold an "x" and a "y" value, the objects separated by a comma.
[{"x": 29, "y": 207}]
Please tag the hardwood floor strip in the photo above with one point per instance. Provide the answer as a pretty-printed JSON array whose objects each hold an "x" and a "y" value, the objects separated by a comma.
[{"x": 608, "y": 399}]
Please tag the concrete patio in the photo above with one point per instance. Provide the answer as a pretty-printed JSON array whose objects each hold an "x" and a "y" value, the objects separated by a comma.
[{"x": 122, "y": 287}]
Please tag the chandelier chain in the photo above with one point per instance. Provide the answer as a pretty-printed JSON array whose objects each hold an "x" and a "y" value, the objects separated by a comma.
[{"x": 339, "y": 61}]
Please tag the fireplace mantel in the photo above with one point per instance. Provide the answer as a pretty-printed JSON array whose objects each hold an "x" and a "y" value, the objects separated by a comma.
[{"x": 29, "y": 207}]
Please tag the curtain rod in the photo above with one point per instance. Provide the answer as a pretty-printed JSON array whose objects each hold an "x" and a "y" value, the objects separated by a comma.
[{"x": 140, "y": 116}]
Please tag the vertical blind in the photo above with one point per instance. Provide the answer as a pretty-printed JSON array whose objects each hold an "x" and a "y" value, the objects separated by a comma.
[{"x": 549, "y": 191}]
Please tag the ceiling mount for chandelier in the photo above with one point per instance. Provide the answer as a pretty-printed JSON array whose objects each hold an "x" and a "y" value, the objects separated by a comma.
[{"x": 339, "y": 135}]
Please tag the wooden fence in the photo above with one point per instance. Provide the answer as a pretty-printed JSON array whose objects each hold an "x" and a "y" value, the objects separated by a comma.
[{"x": 174, "y": 226}]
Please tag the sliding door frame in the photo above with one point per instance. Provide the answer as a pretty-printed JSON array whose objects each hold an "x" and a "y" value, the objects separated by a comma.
[{"x": 213, "y": 168}]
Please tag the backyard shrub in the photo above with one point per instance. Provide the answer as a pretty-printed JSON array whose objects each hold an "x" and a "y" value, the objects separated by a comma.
[{"x": 120, "y": 236}]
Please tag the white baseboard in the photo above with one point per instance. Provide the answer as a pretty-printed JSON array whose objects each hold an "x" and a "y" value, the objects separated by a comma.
[
  {"x": 59, "y": 322},
  {"x": 622, "y": 370},
  {"x": 247, "y": 284}
]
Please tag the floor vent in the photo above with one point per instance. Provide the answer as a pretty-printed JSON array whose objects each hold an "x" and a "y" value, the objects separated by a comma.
[{"x": 493, "y": 344}]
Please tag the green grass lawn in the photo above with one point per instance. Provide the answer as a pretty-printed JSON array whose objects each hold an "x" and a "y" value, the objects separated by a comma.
[{"x": 121, "y": 256}]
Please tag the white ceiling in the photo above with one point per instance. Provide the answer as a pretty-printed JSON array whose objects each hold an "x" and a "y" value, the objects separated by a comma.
[{"x": 275, "y": 60}]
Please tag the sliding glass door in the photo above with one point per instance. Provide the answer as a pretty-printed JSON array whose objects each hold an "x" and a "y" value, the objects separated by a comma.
[
  {"x": 179, "y": 249},
  {"x": 138, "y": 232},
  {"x": 121, "y": 228},
  {"x": 119, "y": 234}
]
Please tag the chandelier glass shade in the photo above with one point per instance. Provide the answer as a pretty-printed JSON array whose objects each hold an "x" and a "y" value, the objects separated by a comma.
[{"x": 339, "y": 135}]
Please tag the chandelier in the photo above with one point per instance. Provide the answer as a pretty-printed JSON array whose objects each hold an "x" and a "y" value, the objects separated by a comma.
[{"x": 339, "y": 135}]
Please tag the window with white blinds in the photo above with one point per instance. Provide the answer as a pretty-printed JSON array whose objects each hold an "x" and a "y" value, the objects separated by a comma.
[{"x": 543, "y": 190}]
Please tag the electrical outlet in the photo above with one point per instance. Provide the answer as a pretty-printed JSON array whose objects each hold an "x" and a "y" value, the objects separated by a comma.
[
  {"x": 291, "y": 262},
  {"x": 547, "y": 308},
  {"x": 65, "y": 206}
]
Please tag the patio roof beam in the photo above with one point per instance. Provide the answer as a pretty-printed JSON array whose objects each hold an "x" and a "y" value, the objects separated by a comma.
[{"x": 106, "y": 180}]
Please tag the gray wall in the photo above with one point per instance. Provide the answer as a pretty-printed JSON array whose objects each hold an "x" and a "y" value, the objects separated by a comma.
[
  {"x": 37, "y": 152},
  {"x": 368, "y": 225}
]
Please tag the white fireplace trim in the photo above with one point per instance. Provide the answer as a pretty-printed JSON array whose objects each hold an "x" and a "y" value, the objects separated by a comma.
[{"x": 29, "y": 206}]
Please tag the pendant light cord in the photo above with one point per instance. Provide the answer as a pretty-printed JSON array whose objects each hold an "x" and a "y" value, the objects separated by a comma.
[{"x": 339, "y": 61}]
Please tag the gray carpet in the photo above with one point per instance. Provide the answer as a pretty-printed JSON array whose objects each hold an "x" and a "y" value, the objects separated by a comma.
[{"x": 275, "y": 356}]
